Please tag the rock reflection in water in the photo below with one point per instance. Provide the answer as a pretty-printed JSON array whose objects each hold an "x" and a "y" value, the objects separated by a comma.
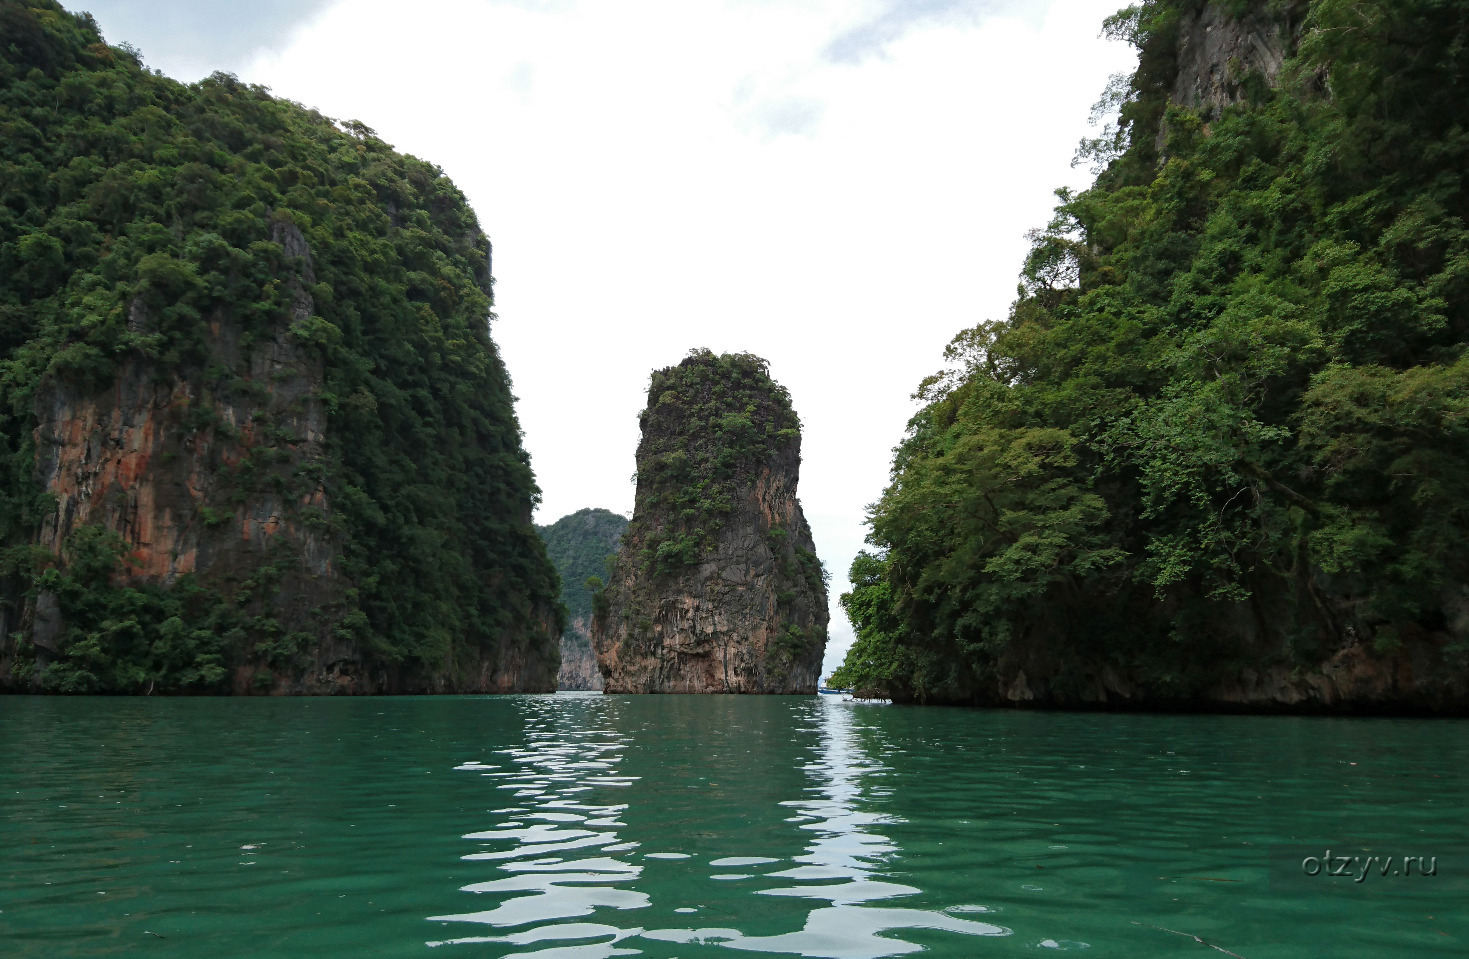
[
  {"x": 557, "y": 862},
  {"x": 839, "y": 867}
]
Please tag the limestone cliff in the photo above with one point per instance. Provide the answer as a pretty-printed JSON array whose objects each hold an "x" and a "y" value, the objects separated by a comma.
[
  {"x": 254, "y": 433},
  {"x": 717, "y": 587},
  {"x": 160, "y": 463},
  {"x": 1219, "y": 50},
  {"x": 580, "y": 544},
  {"x": 1162, "y": 486}
]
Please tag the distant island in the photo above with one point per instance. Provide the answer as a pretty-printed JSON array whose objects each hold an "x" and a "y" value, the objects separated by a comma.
[
  {"x": 580, "y": 545},
  {"x": 1217, "y": 456}
]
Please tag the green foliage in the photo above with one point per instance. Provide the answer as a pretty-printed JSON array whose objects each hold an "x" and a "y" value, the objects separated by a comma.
[
  {"x": 134, "y": 639},
  {"x": 1233, "y": 386},
  {"x": 788, "y": 646},
  {"x": 812, "y": 570},
  {"x": 214, "y": 517},
  {"x": 598, "y": 591},
  {"x": 882, "y": 657},
  {"x": 709, "y": 423},
  {"x": 136, "y": 211}
]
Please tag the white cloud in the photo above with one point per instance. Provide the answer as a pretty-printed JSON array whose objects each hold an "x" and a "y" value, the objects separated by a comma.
[
  {"x": 890, "y": 20},
  {"x": 788, "y": 115},
  {"x": 659, "y": 175}
]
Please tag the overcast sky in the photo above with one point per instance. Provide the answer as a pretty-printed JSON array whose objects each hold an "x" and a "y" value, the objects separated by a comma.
[{"x": 838, "y": 186}]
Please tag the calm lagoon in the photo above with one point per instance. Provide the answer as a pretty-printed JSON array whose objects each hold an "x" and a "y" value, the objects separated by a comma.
[{"x": 586, "y": 826}]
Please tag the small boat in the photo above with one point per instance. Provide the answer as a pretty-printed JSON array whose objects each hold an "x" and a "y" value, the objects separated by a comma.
[{"x": 825, "y": 691}]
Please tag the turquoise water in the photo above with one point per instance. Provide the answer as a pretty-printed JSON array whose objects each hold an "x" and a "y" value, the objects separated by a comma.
[{"x": 666, "y": 826}]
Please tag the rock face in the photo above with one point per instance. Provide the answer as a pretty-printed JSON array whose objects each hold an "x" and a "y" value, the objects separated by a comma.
[
  {"x": 158, "y": 464},
  {"x": 579, "y": 545},
  {"x": 717, "y": 588},
  {"x": 1217, "y": 51}
]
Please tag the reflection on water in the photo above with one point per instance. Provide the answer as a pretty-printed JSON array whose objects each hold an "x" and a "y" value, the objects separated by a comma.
[
  {"x": 551, "y": 878},
  {"x": 839, "y": 866},
  {"x": 556, "y": 850}
]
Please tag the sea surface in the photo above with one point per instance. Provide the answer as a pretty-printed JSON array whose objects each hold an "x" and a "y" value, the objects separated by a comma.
[{"x": 580, "y": 826}]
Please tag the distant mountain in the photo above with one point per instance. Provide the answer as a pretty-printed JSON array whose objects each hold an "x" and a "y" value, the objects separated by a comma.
[{"x": 579, "y": 545}]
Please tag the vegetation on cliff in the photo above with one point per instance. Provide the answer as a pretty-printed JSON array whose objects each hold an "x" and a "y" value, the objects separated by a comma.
[
  {"x": 709, "y": 421},
  {"x": 1228, "y": 415},
  {"x": 137, "y": 215}
]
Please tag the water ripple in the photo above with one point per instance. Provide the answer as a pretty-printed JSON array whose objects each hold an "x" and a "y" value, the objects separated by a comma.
[
  {"x": 541, "y": 897},
  {"x": 838, "y": 867},
  {"x": 251, "y": 828},
  {"x": 542, "y": 891}
]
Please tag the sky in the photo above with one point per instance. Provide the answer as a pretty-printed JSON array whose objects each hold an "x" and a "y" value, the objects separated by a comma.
[{"x": 839, "y": 186}]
